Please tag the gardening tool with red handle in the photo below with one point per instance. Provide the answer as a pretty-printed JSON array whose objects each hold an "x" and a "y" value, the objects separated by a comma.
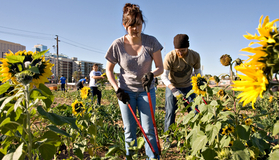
[
  {"x": 149, "y": 143},
  {"x": 153, "y": 118}
]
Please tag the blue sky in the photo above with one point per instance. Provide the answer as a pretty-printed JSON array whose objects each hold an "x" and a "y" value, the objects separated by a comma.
[{"x": 86, "y": 28}]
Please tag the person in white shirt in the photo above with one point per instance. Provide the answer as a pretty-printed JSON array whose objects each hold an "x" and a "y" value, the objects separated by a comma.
[{"x": 95, "y": 75}]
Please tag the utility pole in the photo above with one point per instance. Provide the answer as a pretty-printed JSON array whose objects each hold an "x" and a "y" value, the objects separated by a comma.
[{"x": 57, "y": 76}]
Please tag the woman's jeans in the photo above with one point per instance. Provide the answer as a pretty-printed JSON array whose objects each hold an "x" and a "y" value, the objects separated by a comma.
[
  {"x": 96, "y": 91},
  {"x": 171, "y": 106},
  {"x": 139, "y": 101}
]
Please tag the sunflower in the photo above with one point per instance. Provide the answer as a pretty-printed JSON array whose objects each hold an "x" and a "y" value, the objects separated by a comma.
[
  {"x": 225, "y": 131},
  {"x": 78, "y": 108},
  {"x": 265, "y": 30},
  {"x": 252, "y": 84},
  {"x": 248, "y": 122},
  {"x": 22, "y": 61},
  {"x": 84, "y": 92},
  {"x": 225, "y": 60},
  {"x": 228, "y": 129},
  {"x": 221, "y": 93},
  {"x": 198, "y": 84}
]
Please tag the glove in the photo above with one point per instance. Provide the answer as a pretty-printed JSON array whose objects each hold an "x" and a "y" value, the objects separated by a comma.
[
  {"x": 147, "y": 80},
  {"x": 122, "y": 96},
  {"x": 176, "y": 93}
]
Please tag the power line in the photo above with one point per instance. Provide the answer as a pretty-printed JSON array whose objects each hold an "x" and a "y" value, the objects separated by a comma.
[
  {"x": 82, "y": 47},
  {"x": 46, "y": 38},
  {"x": 26, "y": 31},
  {"x": 24, "y": 35}
]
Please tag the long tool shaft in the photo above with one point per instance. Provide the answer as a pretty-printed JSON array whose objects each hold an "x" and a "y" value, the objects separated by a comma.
[
  {"x": 141, "y": 128},
  {"x": 153, "y": 119}
]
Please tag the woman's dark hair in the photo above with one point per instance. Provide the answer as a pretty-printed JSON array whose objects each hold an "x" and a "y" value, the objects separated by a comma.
[{"x": 132, "y": 15}]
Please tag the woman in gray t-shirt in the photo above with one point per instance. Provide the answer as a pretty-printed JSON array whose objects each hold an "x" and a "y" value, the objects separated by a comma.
[{"x": 134, "y": 53}]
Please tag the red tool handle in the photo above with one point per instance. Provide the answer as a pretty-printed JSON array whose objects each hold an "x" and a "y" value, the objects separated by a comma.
[
  {"x": 153, "y": 120},
  {"x": 141, "y": 128}
]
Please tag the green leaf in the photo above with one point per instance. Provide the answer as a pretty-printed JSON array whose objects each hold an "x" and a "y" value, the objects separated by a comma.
[
  {"x": 238, "y": 145},
  {"x": 18, "y": 103},
  {"x": 51, "y": 136},
  {"x": 275, "y": 128},
  {"x": 57, "y": 130},
  {"x": 47, "y": 151},
  {"x": 199, "y": 142},
  {"x": 46, "y": 92},
  {"x": 4, "y": 87},
  {"x": 39, "y": 54},
  {"x": 259, "y": 143},
  {"x": 113, "y": 150},
  {"x": 243, "y": 131},
  {"x": 212, "y": 131},
  {"x": 5, "y": 121},
  {"x": 214, "y": 103},
  {"x": 225, "y": 141},
  {"x": 274, "y": 155},
  {"x": 209, "y": 154},
  {"x": 207, "y": 117},
  {"x": 56, "y": 119},
  {"x": 140, "y": 142},
  {"x": 78, "y": 153},
  {"x": 34, "y": 70},
  {"x": 241, "y": 155},
  {"x": 19, "y": 66},
  {"x": 15, "y": 59},
  {"x": 92, "y": 129},
  {"x": 209, "y": 91},
  {"x": 14, "y": 155},
  {"x": 7, "y": 100},
  {"x": 188, "y": 117}
]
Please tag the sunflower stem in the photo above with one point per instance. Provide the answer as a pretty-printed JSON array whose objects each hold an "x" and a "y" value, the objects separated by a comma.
[{"x": 28, "y": 124}]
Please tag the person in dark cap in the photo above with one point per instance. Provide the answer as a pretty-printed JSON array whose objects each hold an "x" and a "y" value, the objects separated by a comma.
[{"x": 178, "y": 67}]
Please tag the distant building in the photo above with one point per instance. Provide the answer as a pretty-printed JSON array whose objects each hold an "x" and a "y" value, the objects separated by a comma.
[
  {"x": 67, "y": 66},
  {"x": 5, "y": 46},
  {"x": 40, "y": 48}
]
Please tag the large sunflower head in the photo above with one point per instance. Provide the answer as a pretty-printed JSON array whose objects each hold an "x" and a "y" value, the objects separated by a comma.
[
  {"x": 23, "y": 61},
  {"x": 78, "y": 108},
  {"x": 252, "y": 84},
  {"x": 199, "y": 84},
  {"x": 84, "y": 92}
]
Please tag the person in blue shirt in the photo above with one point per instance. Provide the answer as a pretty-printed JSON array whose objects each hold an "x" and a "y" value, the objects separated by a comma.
[
  {"x": 81, "y": 83},
  {"x": 62, "y": 82}
]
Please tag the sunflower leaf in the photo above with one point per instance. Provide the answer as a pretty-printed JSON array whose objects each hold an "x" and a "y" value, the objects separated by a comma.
[
  {"x": 15, "y": 59},
  {"x": 4, "y": 87},
  {"x": 34, "y": 70},
  {"x": 39, "y": 54}
]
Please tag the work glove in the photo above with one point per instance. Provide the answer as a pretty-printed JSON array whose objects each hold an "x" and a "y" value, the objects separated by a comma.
[
  {"x": 176, "y": 93},
  {"x": 122, "y": 96},
  {"x": 147, "y": 79}
]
